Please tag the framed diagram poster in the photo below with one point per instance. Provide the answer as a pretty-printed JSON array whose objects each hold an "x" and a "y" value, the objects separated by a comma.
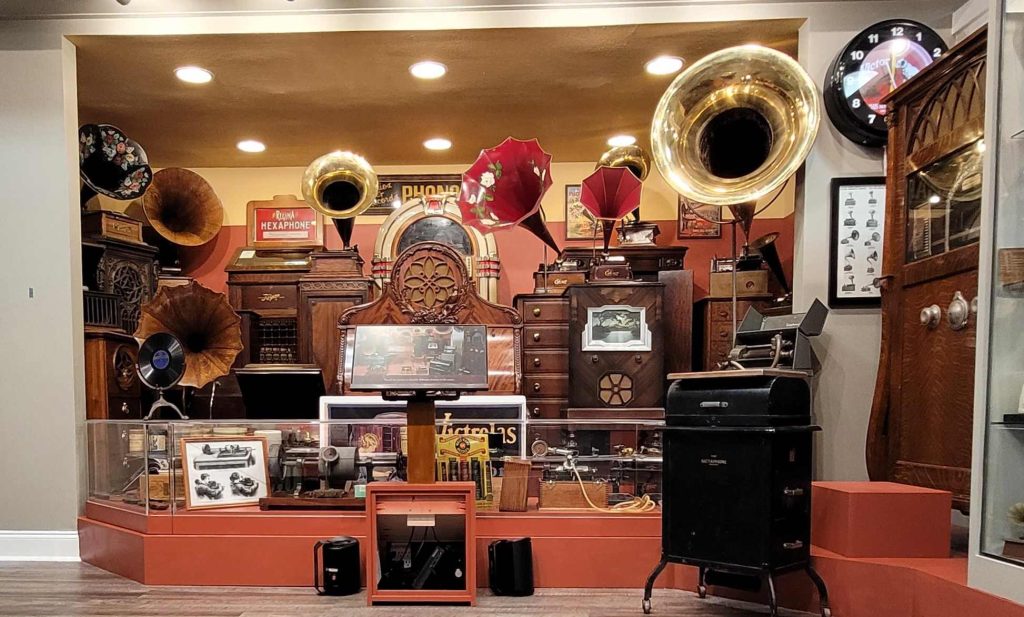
[
  {"x": 693, "y": 226},
  {"x": 858, "y": 229}
]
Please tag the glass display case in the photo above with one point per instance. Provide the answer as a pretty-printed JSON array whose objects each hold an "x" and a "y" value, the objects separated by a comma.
[
  {"x": 997, "y": 505},
  {"x": 204, "y": 466}
]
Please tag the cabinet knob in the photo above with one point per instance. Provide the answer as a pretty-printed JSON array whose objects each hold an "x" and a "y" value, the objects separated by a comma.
[
  {"x": 930, "y": 316},
  {"x": 536, "y": 312},
  {"x": 535, "y": 411},
  {"x": 536, "y": 386},
  {"x": 792, "y": 546},
  {"x": 536, "y": 336},
  {"x": 959, "y": 312},
  {"x": 124, "y": 408},
  {"x": 536, "y": 361},
  {"x": 793, "y": 492},
  {"x": 594, "y": 359}
]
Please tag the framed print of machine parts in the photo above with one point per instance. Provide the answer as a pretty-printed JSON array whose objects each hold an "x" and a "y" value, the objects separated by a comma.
[
  {"x": 223, "y": 472},
  {"x": 857, "y": 230}
]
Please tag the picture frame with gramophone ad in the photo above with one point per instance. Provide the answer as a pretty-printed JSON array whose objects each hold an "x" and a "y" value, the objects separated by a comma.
[
  {"x": 283, "y": 222},
  {"x": 224, "y": 472},
  {"x": 857, "y": 240}
]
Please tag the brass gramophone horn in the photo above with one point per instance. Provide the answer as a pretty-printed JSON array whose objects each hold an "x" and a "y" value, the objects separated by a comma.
[
  {"x": 735, "y": 125},
  {"x": 341, "y": 185},
  {"x": 632, "y": 158}
]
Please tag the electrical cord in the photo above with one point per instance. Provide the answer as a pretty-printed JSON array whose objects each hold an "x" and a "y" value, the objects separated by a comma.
[{"x": 637, "y": 505}]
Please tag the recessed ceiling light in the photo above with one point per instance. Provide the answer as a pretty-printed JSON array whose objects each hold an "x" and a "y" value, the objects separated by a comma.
[
  {"x": 193, "y": 74},
  {"x": 251, "y": 145},
  {"x": 428, "y": 69},
  {"x": 621, "y": 140},
  {"x": 664, "y": 65},
  {"x": 437, "y": 143}
]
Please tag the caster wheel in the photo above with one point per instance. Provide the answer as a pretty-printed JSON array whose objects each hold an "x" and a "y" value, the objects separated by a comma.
[
  {"x": 647, "y": 606},
  {"x": 702, "y": 591}
]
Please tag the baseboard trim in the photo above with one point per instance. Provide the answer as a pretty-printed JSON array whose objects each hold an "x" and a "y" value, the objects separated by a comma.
[{"x": 39, "y": 546}]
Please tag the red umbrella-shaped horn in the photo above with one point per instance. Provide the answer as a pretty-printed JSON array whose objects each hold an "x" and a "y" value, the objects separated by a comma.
[
  {"x": 610, "y": 193},
  {"x": 504, "y": 187}
]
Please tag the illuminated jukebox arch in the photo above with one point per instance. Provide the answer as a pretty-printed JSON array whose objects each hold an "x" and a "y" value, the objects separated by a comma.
[{"x": 436, "y": 218}]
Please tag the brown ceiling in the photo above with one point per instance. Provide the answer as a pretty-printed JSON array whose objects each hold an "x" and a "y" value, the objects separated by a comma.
[{"x": 307, "y": 94}]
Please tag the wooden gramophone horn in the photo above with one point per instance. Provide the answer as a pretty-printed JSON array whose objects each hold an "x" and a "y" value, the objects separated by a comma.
[{"x": 182, "y": 207}]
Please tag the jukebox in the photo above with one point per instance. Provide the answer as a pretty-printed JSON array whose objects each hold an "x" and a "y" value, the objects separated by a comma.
[{"x": 737, "y": 479}]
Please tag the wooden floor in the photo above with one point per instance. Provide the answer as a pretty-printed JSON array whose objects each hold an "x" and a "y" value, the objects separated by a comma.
[{"x": 81, "y": 590}]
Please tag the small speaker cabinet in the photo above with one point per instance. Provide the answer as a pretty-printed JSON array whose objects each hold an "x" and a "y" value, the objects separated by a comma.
[{"x": 616, "y": 355}]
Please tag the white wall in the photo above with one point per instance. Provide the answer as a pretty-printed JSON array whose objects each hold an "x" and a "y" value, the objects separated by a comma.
[
  {"x": 41, "y": 378},
  {"x": 41, "y": 391}
]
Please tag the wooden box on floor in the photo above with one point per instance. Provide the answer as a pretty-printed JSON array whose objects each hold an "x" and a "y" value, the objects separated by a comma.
[{"x": 427, "y": 503}]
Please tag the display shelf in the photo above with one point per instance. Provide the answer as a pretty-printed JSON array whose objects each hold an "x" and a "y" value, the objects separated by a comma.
[{"x": 996, "y": 566}]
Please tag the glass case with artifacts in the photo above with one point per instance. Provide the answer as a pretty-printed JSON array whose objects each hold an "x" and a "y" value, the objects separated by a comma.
[
  {"x": 996, "y": 560},
  {"x": 598, "y": 465},
  {"x": 129, "y": 467}
]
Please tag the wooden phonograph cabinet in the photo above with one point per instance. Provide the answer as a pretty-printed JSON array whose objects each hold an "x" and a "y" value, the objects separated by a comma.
[{"x": 921, "y": 416}]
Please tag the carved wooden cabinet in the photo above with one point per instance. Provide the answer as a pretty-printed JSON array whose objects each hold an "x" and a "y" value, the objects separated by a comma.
[
  {"x": 112, "y": 387},
  {"x": 921, "y": 416},
  {"x": 545, "y": 353},
  {"x": 712, "y": 331},
  {"x": 616, "y": 350},
  {"x": 290, "y": 302},
  {"x": 124, "y": 269}
]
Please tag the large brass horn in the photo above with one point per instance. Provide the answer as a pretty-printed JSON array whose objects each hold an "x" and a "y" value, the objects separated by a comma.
[
  {"x": 735, "y": 125},
  {"x": 341, "y": 185},
  {"x": 632, "y": 158},
  {"x": 182, "y": 207}
]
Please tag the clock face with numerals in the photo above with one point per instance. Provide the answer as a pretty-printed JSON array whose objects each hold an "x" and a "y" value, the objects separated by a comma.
[{"x": 873, "y": 64}]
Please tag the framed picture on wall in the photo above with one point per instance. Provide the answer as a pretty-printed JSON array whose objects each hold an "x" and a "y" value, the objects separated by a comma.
[
  {"x": 692, "y": 226},
  {"x": 857, "y": 232},
  {"x": 579, "y": 224}
]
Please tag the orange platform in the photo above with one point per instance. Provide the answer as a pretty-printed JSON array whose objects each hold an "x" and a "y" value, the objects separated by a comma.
[{"x": 243, "y": 546}]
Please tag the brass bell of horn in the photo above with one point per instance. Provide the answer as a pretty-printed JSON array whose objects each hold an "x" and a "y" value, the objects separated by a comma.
[
  {"x": 632, "y": 158},
  {"x": 340, "y": 185},
  {"x": 735, "y": 125}
]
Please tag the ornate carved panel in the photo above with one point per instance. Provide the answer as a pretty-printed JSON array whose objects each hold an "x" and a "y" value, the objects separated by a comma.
[{"x": 430, "y": 284}]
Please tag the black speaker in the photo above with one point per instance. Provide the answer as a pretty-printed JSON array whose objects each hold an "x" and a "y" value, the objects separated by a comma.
[
  {"x": 338, "y": 568},
  {"x": 510, "y": 567}
]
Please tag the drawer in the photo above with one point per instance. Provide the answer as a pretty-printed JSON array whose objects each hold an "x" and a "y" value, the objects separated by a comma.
[
  {"x": 257, "y": 297},
  {"x": 124, "y": 408},
  {"x": 554, "y": 310},
  {"x": 546, "y": 336},
  {"x": 546, "y": 361},
  {"x": 546, "y": 385},
  {"x": 720, "y": 333},
  {"x": 546, "y": 408},
  {"x": 717, "y": 352}
]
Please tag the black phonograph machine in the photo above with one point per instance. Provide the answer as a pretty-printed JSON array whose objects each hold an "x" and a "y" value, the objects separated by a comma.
[{"x": 737, "y": 442}]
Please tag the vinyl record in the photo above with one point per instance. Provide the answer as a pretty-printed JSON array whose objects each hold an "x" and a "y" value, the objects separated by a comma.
[{"x": 161, "y": 361}]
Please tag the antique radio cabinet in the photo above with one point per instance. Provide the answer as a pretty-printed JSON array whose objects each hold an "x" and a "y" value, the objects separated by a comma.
[
  {"x": 545, "y": 353},
  {"x": 616, "y": 357},
  {"x": 112, "y": 384}
]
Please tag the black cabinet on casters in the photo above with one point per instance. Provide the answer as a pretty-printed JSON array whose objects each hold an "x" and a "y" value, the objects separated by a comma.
[{"x": 737, "y": 480}]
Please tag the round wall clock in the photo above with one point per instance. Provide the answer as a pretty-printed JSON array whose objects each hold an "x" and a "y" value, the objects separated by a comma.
[{"x": 873, "y": 64}]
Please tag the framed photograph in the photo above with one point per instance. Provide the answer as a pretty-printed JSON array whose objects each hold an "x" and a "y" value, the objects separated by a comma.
[
  {"x": 857, "y": 231},
  {"x": 615, "y": 327},
  {"x": 283, "y": 222},
  {"x": 395, "y": 190},
  {"x": 692, "y": 226},
  {"x": 224, "y": 472},
  {"x": 579, "y": 224}
]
